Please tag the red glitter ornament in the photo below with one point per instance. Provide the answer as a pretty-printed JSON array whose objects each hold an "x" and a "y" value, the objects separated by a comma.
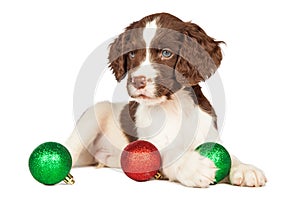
[{"x": 140, "y": 160}]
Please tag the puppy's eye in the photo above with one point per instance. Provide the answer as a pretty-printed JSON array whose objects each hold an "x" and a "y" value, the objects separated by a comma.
[
  {"x": 131, "y": 54},
  {"x": 166, "y": 53}
]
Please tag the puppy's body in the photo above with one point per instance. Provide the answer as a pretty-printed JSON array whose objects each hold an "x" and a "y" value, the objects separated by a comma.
[{"x": 164, "y": 59}]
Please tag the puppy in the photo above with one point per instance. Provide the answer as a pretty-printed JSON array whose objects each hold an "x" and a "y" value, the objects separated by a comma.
[{"x": 163, "y": 59}]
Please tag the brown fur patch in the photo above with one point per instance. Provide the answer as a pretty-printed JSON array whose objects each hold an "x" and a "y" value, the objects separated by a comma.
[
  {"x": 200, "y": 56},
  {"x": 202, "y": 101},
  {"x": 127, "y": 120}
]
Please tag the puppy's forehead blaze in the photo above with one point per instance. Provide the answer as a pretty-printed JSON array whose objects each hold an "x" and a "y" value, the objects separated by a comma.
[
  {"x": 148, "y": 36},
  {"x": 155, "y": 36},
  {"x": 145, "y": 66},
  {"x": 152, "y": 37},
  {"x": 149, "y": 32}
]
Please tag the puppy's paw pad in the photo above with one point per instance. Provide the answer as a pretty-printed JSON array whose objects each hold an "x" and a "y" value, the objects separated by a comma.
[{"x": 247, "y": 175}]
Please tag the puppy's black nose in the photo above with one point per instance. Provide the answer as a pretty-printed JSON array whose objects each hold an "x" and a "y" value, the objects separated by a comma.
[{"x": 139, "y": 82}]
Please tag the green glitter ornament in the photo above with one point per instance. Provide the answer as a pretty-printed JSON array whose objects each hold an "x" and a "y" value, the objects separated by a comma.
[
  {"x": 50, "y": 163},
  {"x": 219, "y": 155}
]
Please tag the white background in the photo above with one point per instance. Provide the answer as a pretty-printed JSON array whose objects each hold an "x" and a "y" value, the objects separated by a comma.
[{"x": 43, "y": 45}]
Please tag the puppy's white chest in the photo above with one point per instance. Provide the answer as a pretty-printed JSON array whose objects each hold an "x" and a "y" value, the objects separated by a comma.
[
  {"x": 172, "y": 124},
  {"x": 159, "y": 124},
  {"x": 176, "y": 124}
]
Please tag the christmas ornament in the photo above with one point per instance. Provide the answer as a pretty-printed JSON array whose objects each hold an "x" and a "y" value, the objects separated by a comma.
[
  {"x": 219, "y": 155},
  {"x": 50, "y": 163},
  {"x": 140, "y": 160}
]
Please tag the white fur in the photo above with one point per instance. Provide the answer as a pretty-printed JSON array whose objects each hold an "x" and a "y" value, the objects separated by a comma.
[
  {"x": 246, "y": 175},
  {"x": 149, "y": 32},
  {"x": 145, "y": 70},
  {"x": 98, "y": 131},
  {"x": 192, "y": 170},
  {"x": 148, "y": 35},
  {"x": 151, "y": 101}
]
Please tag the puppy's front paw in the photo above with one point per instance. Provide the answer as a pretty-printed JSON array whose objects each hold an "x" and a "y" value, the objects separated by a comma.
[
  {"x": 247, "y": 175},
  {"x": 194, "y": 170}
]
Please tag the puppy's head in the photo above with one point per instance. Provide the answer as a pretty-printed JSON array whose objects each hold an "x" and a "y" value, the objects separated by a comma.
[{"x": 161, "y": 54}]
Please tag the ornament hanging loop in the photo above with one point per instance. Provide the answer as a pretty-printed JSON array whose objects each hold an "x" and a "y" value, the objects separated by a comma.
[
  {"x": 69, "y": 180},
  {"x": 158, "y": 176}
]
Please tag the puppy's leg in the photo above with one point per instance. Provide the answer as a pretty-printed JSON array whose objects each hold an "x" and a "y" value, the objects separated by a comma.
[
  {"x": 98, "y": 137},
  {"x": 245, "y": 175},
  {"x": 192, "y": 170},
  {"x": 108, "y": 146},
  {"x": 91, "y": 123}
]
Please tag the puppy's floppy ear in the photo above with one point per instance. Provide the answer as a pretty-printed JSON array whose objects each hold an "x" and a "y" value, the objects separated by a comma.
[
  {"x": 199, "y": 56},
  {"x": 117, "y": 58}
]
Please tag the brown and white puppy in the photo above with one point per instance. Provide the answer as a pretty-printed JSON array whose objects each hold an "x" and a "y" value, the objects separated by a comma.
[{"x": 163, "y": 59}]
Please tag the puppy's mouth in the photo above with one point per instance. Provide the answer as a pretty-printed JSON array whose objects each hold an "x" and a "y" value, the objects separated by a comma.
[
  {"x": 142, "y": 96},
  {"x": 147, "y": 93},
  {"x": 144, "y": 99}
]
